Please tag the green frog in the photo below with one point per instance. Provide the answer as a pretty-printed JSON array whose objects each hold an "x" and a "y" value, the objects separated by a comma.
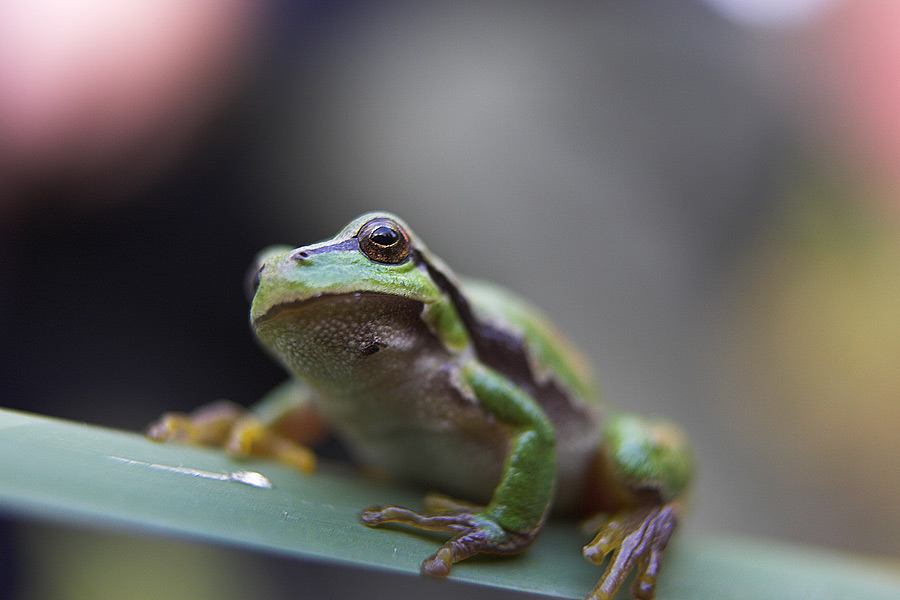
[{"x": 456, "y": 385}]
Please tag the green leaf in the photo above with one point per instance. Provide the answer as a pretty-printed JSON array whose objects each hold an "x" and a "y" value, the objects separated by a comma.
[{"x": 76, "y": 473}]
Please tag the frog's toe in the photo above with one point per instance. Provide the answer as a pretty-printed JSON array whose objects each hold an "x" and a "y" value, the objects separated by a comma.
[
  {"x": 208, "y": 425},
  {"x": 475, "y": 533},
  {"x": 245, "y": 434},
  {"x": 450, "y": 522},
  {"x": 469, "y": 538},
  {"x": 474, "y": 540},
  {"x": 636, "y": 538},
  {"x": 171, "y": 427},
  {"x": 249, "y": 436}
]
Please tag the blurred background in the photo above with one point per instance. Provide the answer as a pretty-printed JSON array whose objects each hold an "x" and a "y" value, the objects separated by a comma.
[{"x": 704, "y": 195}]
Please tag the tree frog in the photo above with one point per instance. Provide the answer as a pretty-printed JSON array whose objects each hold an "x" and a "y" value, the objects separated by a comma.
[{"x": 456, "y": 385}]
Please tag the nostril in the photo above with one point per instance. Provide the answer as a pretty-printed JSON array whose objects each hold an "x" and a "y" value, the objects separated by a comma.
[{"x": 300, "y": 255}]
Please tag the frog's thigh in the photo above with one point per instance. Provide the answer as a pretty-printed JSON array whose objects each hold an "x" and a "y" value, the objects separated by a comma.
[{"x": 646, "y": 457}]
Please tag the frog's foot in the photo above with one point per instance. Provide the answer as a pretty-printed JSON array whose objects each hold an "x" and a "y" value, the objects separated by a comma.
[
  {"x": 637, "y": 538},
  {"x": 233, "y": 428},
  {"x": 475, "y": 531},
  {"x": 250, "y": 437}
]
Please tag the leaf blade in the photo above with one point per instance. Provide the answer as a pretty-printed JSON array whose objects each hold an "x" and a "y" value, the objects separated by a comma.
[{"x": 100, "y": 477}]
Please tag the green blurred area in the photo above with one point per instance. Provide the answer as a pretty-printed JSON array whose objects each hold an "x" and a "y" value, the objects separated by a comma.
[
  {"x": 816, "y": 352},
  {"x": 76, "y": 564}
]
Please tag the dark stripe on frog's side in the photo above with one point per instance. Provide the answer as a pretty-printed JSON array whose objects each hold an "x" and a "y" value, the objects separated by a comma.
[{"x": 499, "y": 349}]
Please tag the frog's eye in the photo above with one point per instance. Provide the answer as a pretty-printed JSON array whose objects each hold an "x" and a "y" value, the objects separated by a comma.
[{"x": 384, "y": 241}]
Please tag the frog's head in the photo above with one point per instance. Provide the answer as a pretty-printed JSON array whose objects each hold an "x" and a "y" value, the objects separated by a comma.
[
  {"x": 328, "y": 300},
  {"x": 376, "y": 253}
]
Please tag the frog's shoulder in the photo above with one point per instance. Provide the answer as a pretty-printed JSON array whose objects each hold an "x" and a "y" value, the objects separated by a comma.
[{"x": 548, "y": 352}]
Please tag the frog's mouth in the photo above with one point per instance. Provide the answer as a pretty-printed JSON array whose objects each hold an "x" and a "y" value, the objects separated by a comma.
[{"x": 322, "y": 305}]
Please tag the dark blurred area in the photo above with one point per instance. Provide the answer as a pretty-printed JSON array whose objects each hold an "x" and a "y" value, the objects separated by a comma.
[{"x": 703, "y": 195}]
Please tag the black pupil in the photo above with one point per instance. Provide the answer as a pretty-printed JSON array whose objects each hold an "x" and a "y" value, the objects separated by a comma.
[{"x": 385, "y": 236}]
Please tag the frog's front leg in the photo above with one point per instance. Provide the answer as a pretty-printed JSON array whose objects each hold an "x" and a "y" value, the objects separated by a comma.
[
  {"x": 516, "y": 513},
  {"x": 644, "y": 467}
]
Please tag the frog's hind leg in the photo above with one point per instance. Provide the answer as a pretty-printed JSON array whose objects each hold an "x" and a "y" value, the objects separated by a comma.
[
  {"x": 644, "y": 468},
  {"x": 279, "y": 426}
]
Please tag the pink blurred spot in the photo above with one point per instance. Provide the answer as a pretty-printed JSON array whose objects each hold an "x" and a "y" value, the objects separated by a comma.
[
  {"x": 856, "y": 51},
  {"x": 89, "y": 84}
]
